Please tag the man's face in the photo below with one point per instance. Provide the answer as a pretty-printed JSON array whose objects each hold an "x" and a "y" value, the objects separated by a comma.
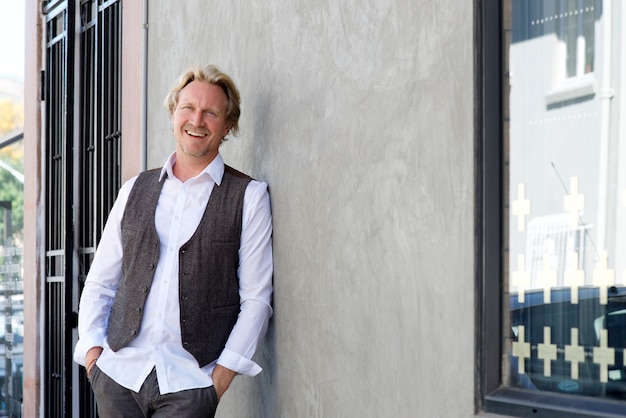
[{"x": 199, "y": 121}]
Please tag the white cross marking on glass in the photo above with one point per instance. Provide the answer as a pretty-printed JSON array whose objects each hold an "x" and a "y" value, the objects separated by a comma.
[
  {"x": 521, "y": 350},
  {"x": 521, "y": 207},
  {"x": 546, "y": 352},
  {"x": 521, "y": 278},
  {"x": 546, "y": 277},
  {"x": 574, "y": 277},
  {"x": 603, "y": 277},
  {"x": 574, "y": 353},
  {"x": 574, "y": 202},
  {"x": 604, "y": 356}
]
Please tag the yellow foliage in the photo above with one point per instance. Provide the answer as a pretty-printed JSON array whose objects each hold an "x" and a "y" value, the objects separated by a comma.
[
  {"x": 12, "y": 153},
  {"x": 11, "y": 115}
]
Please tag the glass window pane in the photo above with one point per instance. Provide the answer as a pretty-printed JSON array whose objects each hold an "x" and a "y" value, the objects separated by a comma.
[
  {"x": 11, "y": 274},
  {"x": 566, "y": 300}
]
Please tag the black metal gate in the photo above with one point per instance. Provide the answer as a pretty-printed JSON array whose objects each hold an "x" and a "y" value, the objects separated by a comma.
[{"x": 82, "y": 85}]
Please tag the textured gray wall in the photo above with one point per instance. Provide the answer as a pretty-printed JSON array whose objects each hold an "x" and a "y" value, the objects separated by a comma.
[{"x": 359, "y": 114}]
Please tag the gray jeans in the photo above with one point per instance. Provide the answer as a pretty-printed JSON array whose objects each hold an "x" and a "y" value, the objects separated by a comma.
[{"x": 115, "y": 401}]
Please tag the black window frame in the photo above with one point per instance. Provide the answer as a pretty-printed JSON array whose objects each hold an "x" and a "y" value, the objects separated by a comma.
[{"x": 492, "y": 395}]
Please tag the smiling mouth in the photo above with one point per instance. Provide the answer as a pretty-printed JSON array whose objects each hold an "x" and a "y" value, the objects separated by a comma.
[{"x": 197, "y": 133}]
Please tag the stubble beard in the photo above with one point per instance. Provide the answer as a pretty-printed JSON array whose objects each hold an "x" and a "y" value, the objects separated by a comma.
[
  {"x": 191, "y": 150},
  {"x": 197, "y": 154}
]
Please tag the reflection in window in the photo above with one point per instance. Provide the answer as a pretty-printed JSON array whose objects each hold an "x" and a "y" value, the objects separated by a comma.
[
  {"x": 577, "y": 30},
  {"x": 566, "y": 206},
  {"x": 11, "y": 274}
]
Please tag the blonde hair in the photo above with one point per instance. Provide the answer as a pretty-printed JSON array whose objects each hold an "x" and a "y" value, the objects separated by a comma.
[{"x": 213, "y": 75}]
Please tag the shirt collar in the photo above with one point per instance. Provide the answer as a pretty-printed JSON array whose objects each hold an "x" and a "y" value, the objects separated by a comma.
[{"x": 215, "y": 169}]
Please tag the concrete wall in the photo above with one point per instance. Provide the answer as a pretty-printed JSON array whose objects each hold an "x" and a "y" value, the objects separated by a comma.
[{"x": 359, "y": 114}]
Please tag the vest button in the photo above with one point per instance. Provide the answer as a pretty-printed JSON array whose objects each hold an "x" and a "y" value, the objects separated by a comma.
[
  {"x": 133, "y": 333},
  {"x": 138, "y": 310},
  {"x": 145, "y": 289},
  {"x": 151, "y": 266}
]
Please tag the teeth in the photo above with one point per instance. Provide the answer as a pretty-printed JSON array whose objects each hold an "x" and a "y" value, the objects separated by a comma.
[{"x": 195, "y": 133}]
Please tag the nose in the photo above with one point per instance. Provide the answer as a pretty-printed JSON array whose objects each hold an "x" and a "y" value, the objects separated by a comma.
[{"x": 197, "y": 118}]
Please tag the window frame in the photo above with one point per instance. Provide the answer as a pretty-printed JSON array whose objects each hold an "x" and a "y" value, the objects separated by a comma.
[
  {"x": 492, "y": 395},
  {"x": 568, "y": 87},
  {"x": 580, "y": 49}
]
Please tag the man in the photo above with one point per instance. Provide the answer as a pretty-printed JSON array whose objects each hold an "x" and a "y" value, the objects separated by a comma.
[{"x": 178, "y": 295}]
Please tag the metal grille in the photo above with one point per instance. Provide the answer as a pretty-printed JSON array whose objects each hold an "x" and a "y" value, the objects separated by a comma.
[
  {"x": 82, "y": 175},
  {"x": 99, "y": 139},
  {"x": 552, "y": 239},
  {"x": 110, "y": 105},
  {"x": 58, "y": 241}
]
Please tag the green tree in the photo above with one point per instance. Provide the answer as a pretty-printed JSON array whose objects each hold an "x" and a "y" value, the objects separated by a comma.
[
  {"x": 12, "y": 188},
  {"x": 12, "y": 168}
]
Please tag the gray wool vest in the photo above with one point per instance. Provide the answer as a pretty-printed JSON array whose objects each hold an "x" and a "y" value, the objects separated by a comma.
[{"x": 208, "y": 262}]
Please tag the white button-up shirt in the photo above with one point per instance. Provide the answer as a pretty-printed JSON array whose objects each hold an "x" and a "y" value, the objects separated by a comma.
[{"x": 158, "y": 344}]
